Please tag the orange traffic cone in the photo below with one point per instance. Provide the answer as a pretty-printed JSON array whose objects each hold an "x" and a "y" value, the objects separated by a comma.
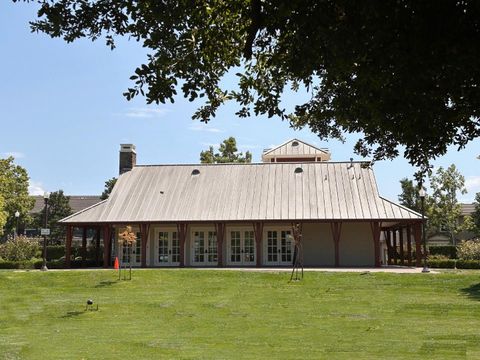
[{"x": 115, "y": 265}]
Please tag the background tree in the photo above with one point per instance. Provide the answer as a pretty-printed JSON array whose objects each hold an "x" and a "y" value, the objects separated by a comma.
[
  {"x": 109, "y": 184},
  {"x": 14, "y": 190},
  {"x": 410, "y": 195},
  {"x": 355, "y": 59},
  {"x": 3, "y": 214},
  {"x": 228, "y": 153},
  {"x": 476, "y": 215},
  {"x": 444, "y": 210},
  {"x": 58, "y": 208}
]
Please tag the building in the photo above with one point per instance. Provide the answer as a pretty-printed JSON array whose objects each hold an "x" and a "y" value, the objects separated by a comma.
[{"x": 243, "y": 214}]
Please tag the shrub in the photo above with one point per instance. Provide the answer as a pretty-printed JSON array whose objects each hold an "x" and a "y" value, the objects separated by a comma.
[
  {"x": 55, "y": 252},
  {"x": 20, "y": 249},
  {"x": 468, "y": 264},
  {"x": 437, "y": 257},
  {"x": 444, "y": 264},
  {"x": 25, "y": 264},
  {"x": 469, "y": 250},
  {"x": 450, "y": 251}
]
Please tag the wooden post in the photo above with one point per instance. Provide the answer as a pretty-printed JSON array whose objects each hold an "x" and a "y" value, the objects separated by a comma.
[
  {"x": 394, "y": 240},
  {"x": 258, "y": 231},
  {"x": 68, "y": 246},
  {"x": 389, "y": 246},
  {"x": 144, "y": 233},
  {"x": 336, "y": 228},
  {"x": 182, "y": 234},
  {"x": 220, "y": 230},
  {"x": 409, "y": 245},
  {"x": 84, "y": 246},
  {"x": 417, "y": 230},
  {"x": 106, "y": 246},
  {"x": 375, "y": 225},
  {"x": 402, "y": 254}
]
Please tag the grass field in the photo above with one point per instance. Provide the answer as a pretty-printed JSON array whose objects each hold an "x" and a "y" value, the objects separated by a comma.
[{"x": 201, "y": 314}]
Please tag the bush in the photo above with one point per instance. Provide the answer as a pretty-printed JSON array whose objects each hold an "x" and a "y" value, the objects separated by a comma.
[
  {"x": 443, "y": 264},
  {"x": 55, "y": 252},
  {"x": 469, "y": 250},
  {"x": 25, "y": 264},
  {"x": 449, "y": 251},
  {"x": 21, "y": 249},
  {"x": 468, "y": 264}
]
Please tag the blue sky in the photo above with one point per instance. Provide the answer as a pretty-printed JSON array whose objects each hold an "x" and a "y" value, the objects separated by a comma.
[{"x": 63, "y": 117}]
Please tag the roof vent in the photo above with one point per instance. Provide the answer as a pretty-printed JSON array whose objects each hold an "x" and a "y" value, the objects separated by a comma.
[
  {"x": 295, "y": 143},
  {"x": 195, "y": 172},
  {"x": 298, "y": 170}
]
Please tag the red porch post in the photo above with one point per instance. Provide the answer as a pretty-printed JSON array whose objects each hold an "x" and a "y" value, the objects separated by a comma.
[
  {"x": 220, "y": 230},
  {"x": 144, "y": 233},
  {"x": 258, "y": 232},
  {"x": 409, "y": 245},
  {"x": 68, "y": 246},
  {"x": 376, "y": 241},
  {"x": 336, "y": 228},
  {"x": 388, "y": 239},
  {"x": 182, "y": 234},
  {"x": 417, "y": 230},
  {"x": 106, "y": 246},
  {"x": 402, "y": 253},
  {"x": 394, "y": 239},
  {"x": 84, "y": 246}
]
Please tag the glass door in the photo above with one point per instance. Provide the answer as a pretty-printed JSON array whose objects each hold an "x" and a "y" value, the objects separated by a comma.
[
  {"x": 132, "y": 254},
  {"x": 167, "y": 250},
  {"x": 241, "y": 248},
  {"x": 204, "y": 248},
  {"x": 279, "y": 247}
]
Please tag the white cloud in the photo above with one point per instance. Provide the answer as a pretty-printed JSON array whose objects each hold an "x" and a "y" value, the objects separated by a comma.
[
  {"x": 146, "y": 112},
  {"x": 35, "y": 188},
  {"x": 15, "y": 154},
  {"x": 204, "y": 127}
]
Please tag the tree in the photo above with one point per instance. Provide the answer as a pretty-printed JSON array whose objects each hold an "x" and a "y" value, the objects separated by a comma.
[
  {"x": 400, "y": 72},
  {"x": 58, "y": 208},
  {"x": 444, "y": 209},
  {"x": 14, "y": 191},
  {"x": 3, "y": 214},
  {"x": 410, "y": 195},
  {"x": 476, "y": 214},
  {"x": 228, "y": 153},
  {"x": 109, "y": 184}
]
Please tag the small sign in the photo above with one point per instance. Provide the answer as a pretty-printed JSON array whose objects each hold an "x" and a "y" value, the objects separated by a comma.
[{"x": 45, "y": 232}]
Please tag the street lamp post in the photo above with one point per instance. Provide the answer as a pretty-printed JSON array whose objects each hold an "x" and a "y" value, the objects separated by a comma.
[
  {"x": 46, "y": 196},
  {"x": 422, "y": 194},
  {"x": 17, "y": 215}
]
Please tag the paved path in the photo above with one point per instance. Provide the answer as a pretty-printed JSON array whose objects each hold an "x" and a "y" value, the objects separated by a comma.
[{"x": 386, "y": 269}]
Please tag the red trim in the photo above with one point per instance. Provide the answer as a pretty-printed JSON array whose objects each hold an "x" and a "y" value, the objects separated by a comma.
[
  {"x": 106, "y": 246},
  {"x": 182, "y": 234},
  {"x": 258, "y": 231},
  {"x": 376, "y": 241},
  {"x": 336, "y": 228},
  {"x": 409, "y": 245}
]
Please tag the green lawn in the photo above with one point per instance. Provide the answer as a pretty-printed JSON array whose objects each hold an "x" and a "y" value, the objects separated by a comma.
[{"x": 201, "y": 314}]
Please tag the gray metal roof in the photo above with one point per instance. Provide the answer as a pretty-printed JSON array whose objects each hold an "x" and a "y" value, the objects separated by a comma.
[
  {"x": 77, "y": 202},
  {"x": 245, "y": 192},
  {"x": 467, "y": 209}
]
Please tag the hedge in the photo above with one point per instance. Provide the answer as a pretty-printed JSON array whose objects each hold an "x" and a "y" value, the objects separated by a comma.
[
  {"x": 26, "y": 264},
  {"x": 449, "y": 251},
  {"x": 450, "y": 264},
  {"x": 38, "y": 263}
]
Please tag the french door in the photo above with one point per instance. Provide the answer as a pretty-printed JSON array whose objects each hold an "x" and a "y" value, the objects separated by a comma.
[
  {"x": 131, "y": 254},
  {"x": 241, "y": 247},
  {"x": 279, "y": 246},
  {"x": 167, "y": 248},
  {"x": 204, "y": 248}
]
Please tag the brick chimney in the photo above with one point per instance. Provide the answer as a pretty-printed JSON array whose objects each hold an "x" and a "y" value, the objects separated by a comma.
[{"x": 128, "y": 158}]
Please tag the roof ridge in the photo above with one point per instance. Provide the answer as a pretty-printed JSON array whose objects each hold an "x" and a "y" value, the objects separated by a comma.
[{"x": 263, "y": 164}]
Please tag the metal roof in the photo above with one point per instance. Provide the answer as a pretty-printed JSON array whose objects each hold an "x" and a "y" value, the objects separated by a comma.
[
  {"x": 77, "y": 202},
  {"x": 293, "y": 148},
  {"x": 245, "y": 192},
  {"x": 467, "y": 209}
]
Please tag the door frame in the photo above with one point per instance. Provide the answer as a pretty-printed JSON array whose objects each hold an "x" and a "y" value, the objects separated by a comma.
[
  {"x": 242, "y": 230},
  {"x": 279, "y": 230},
  {"x": 205, "y": 230},
  {"x": 170, "y": 230}
]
